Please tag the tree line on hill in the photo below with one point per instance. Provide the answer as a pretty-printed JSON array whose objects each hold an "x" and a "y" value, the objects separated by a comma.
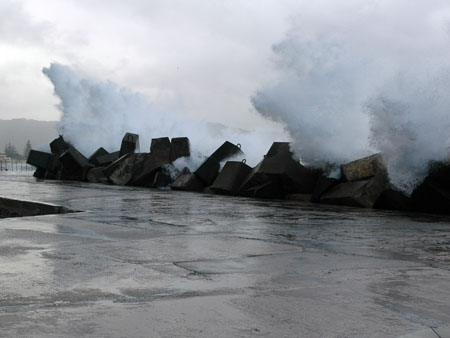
[{"x": 11, "y": 151}]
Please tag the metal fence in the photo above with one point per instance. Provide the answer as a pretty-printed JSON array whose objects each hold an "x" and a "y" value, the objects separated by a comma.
[{"x": 11, "y": 165}]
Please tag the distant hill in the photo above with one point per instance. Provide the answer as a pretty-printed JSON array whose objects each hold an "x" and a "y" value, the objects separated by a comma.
[{"x": 18, "y": 131}]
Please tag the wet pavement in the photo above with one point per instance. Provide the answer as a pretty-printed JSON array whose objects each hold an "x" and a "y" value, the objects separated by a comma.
[{"x": 154, "y": 263}]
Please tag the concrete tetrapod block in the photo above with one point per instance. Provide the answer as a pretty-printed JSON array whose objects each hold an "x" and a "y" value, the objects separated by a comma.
[
  {"x": 392, "y": 199},
  {"x": 433, "y": 194},
  {"x": 54, "y": 169},
  {"x": 121, "y": 171},
  {"x": 97, "y": 175},
  {"x": 179, "y": 147},
  {"x": 39, "y": 159},
  {"x": 130, "y": 144},
  {"x": 279, "y": 174},
  {"x": 363, "y": 168},
  {"x": 165, "y": 176},
  {"x": 59, "y": 145},
  {"x": 323, "y": 184},
  {"x": 356, "y": 194},
  {"x": 107, "y": 159},
  {"x": 161, "y": 147},
  {"x": 188, "y": 182},
  {"x": 209, "y": 169},
  {"x": 431, "y": 197},
  {"x": 98, "y": 153},
  {"x": 230, "y": 178},
  {"x": 74, "y": 165},
  {"x": 145, "y": 171}
]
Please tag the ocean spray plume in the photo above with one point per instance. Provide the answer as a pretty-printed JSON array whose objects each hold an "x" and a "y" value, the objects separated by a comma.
[
  {"x": 98, "y": 113},
  {"x": 372, "y": 80}
]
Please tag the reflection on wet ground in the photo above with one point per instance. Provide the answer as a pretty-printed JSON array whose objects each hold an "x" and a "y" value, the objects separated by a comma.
[{"x": 149, "y": 263}]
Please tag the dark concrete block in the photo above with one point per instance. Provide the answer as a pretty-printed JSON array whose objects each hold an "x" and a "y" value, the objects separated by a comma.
[
  {"x": 96, "y": 175},
  {"x": 322, "y": 186},
  {"x": 74, "y": 165},
  {"x": 98, "y": 153},
  {"x": 107, "y": 159},
  {"x": 430, "y": 196},
  {"x": 363, "y": 168},
  {"x": 121, "y": 171},
  {"x": 392, "y": 199},
  {"x": 59, "y": 145},
  {"x": 179, "y": 148},
  {"x": 130, "y": 144},
  {"x": 54, "y": 169},
  {"x": 39, "y": 173},
  {"x": 165, "y": 176},
  {"x": 144, "y": 173},
  {"x": 160, "y": 148},
  {"x": 362, "y": 193},
  {"x": 230, "y": 178},
  {"x": 279, "y": 174},
  {"x": 209, "y": 170},
  {"x": 39, "y": 159},
  {"x": 188, "y": 182}
]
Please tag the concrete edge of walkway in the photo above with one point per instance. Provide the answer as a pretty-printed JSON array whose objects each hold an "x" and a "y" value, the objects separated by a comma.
[{"x": 440, "y": 332}]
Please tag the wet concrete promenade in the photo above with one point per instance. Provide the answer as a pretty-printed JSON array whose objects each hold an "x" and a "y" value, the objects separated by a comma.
[{"x": 149, "y": 263}]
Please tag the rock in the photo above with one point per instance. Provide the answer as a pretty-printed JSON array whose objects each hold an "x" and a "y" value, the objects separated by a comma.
[
  {"x": 59, "y": 145},
  {"x": 98, "y": 153},
  {"x": 188, "y": 182},
  {"x": 279, "y": 174},
  {"x": 209, "y": 170},
  {"x": 130, "y": 144},
  {"x": 323, "y": 184},
  {"x": 230, "y": 178},
  {"x": 74, "y": 165},
  {"x": 121, "y": 171},
  {"x": 363, "y": 193},
  {"x": 96, "y": 175},
  {"x": 363, "y": 168},
  {"x": 39, "y": 159},
  {"x": 392, "y": 199},
  {"x": 107, "y": 159},
  {"x": 179, "y": 147}
]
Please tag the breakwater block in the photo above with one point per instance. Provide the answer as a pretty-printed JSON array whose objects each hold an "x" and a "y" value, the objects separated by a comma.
[
  {"x": 188, "y": 181},
  {"x": 98, "y": 153},
  {"x": 433, "y": 194},
  {"x": 39, "y": 159},
  {"x": 130, "y": 144},
  {"x": 279, "y": 174},
  {"x": 74, "y": 165},
  {"x": 209, "y": 169},
  {"x": 231, "y": 178},
  {"x": 96, "y": 175},
  {"x": 179, "y": 147},
  {"x": 363, "y": 193},
  {"x": 363, "y": 168}
]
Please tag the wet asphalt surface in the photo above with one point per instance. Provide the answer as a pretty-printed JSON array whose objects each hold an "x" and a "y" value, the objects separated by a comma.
[{"x": 154, "y": 263}]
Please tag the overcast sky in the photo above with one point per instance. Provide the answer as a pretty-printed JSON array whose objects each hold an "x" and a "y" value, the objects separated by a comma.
[{"x": 208, "y": 56}]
